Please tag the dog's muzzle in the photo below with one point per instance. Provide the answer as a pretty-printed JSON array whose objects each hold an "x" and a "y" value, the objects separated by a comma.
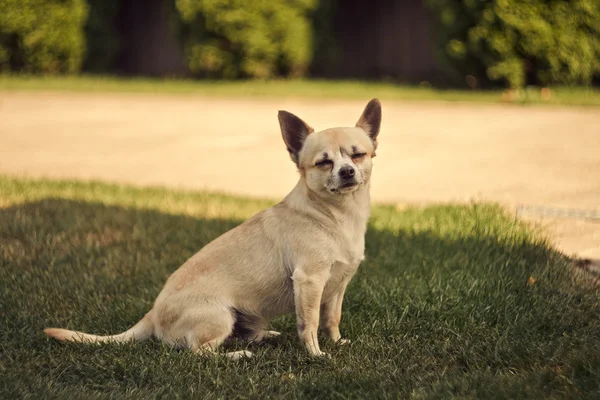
[{"x": 347, "y": 176}]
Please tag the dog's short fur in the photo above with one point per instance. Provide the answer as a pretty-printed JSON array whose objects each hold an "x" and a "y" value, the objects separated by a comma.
[{"x": 298, "y": 255}]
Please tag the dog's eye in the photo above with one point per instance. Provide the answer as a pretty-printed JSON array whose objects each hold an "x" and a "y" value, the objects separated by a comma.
[
  {"x": 358, "y": 156},
  {"x": 324, "y": 163}
]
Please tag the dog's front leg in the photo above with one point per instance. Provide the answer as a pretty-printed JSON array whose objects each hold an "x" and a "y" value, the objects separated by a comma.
[
  {"x": 308, "y": 290},
  {"x": 331, "y": 314}
]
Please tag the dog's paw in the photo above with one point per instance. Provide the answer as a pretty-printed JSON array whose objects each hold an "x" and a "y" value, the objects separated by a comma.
[
  {"x": 320, "y": 354},
  {"x": 238, "y": 355},
  {"x": 271, "y": 334},
  {"x": 264, "y": 335}
]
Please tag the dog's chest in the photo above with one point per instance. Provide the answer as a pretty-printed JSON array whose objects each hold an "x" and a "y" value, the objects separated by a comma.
[
  {"x": 350, "y": 252},
  {"x": 351, "y": 243},
  {"x": 345, "y": 266}
]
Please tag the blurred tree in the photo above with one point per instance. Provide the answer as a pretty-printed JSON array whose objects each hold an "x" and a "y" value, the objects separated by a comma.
[
  {"x": 521, "y": 41},
  {"x": 247, "y": 38},
  {"x": 42, "y": 35},
  {"x": 326, "y": 46},
  {"x": 101, "y": 35}
]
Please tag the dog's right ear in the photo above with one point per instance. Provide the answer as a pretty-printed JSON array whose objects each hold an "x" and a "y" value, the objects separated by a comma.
[{"x": 294, "y": 132}]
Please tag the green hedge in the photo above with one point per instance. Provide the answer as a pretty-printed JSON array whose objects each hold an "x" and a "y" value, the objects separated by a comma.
[
  {"x": 521, "y": 41},
  {"x": 247, "y": 38},
  {"x": 42, "y": 35}
]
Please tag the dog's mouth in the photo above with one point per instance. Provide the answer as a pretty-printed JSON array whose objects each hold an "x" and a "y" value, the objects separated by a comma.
[
  {"x": 349, "y": 184},
  {"x": 345, "y": 187}
]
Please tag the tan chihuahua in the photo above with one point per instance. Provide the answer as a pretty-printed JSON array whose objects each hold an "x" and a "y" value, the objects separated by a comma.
[{"x": 298, "y": 255}]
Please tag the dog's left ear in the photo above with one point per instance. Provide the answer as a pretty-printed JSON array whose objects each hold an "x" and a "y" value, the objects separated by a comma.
[
  {"x": 370, "y": 120},
  {"x": 294, "y": 132}
]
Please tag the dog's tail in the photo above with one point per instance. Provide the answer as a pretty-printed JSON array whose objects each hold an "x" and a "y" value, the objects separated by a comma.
[{"x": 140, "y": 331}]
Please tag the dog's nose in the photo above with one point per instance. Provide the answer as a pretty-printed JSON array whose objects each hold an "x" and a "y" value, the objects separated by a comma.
[{"x": 346, "y": 172}]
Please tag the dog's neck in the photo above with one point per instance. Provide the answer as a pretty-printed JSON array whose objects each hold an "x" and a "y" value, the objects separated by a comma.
[{"x": 341, "y": 208}]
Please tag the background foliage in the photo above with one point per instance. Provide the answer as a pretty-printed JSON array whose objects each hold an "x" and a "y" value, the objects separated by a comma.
[
  {"x": 512, "y": 42},
  {"x": 241, "y": 38},
  {"x": 42, "y": 35},
  {"x": 521, "y": 41}
]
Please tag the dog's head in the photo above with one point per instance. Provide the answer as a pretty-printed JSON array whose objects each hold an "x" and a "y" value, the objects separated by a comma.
[{"x": 334, "y": 161}]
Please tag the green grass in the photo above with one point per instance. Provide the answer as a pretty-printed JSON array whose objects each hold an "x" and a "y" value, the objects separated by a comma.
[
  {"x": 440, "y": 308},
  {"x": 292, "y": 88}
]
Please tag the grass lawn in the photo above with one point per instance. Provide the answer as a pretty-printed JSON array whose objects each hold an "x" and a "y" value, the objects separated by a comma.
[
  {"x": 295, "y": 88},
  {"x": 451, "y": 301}
]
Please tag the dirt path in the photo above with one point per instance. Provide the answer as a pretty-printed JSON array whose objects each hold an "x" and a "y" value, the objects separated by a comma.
[{"x": 429, "y": 152}]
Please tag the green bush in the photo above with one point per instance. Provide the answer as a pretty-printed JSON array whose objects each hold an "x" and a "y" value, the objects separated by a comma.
[
  {"x": 42, "y": 35},
  {"x": 521, "y": 41},
  {"x": 247, "y": 38}
]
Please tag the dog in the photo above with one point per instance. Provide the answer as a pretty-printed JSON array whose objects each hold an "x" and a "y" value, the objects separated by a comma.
[{"x": 297, "y": 256}]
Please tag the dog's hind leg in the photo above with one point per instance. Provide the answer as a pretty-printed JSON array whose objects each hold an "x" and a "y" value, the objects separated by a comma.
[{"x": 212, "y": 332}]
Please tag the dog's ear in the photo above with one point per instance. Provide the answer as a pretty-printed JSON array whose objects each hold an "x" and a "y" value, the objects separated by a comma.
[
  {"x": 294, "y": 132},
  {"x": 370, "y": 120}
]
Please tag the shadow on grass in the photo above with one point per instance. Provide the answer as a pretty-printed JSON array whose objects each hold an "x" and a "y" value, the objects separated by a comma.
[{"x": 428, "y": 314}]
